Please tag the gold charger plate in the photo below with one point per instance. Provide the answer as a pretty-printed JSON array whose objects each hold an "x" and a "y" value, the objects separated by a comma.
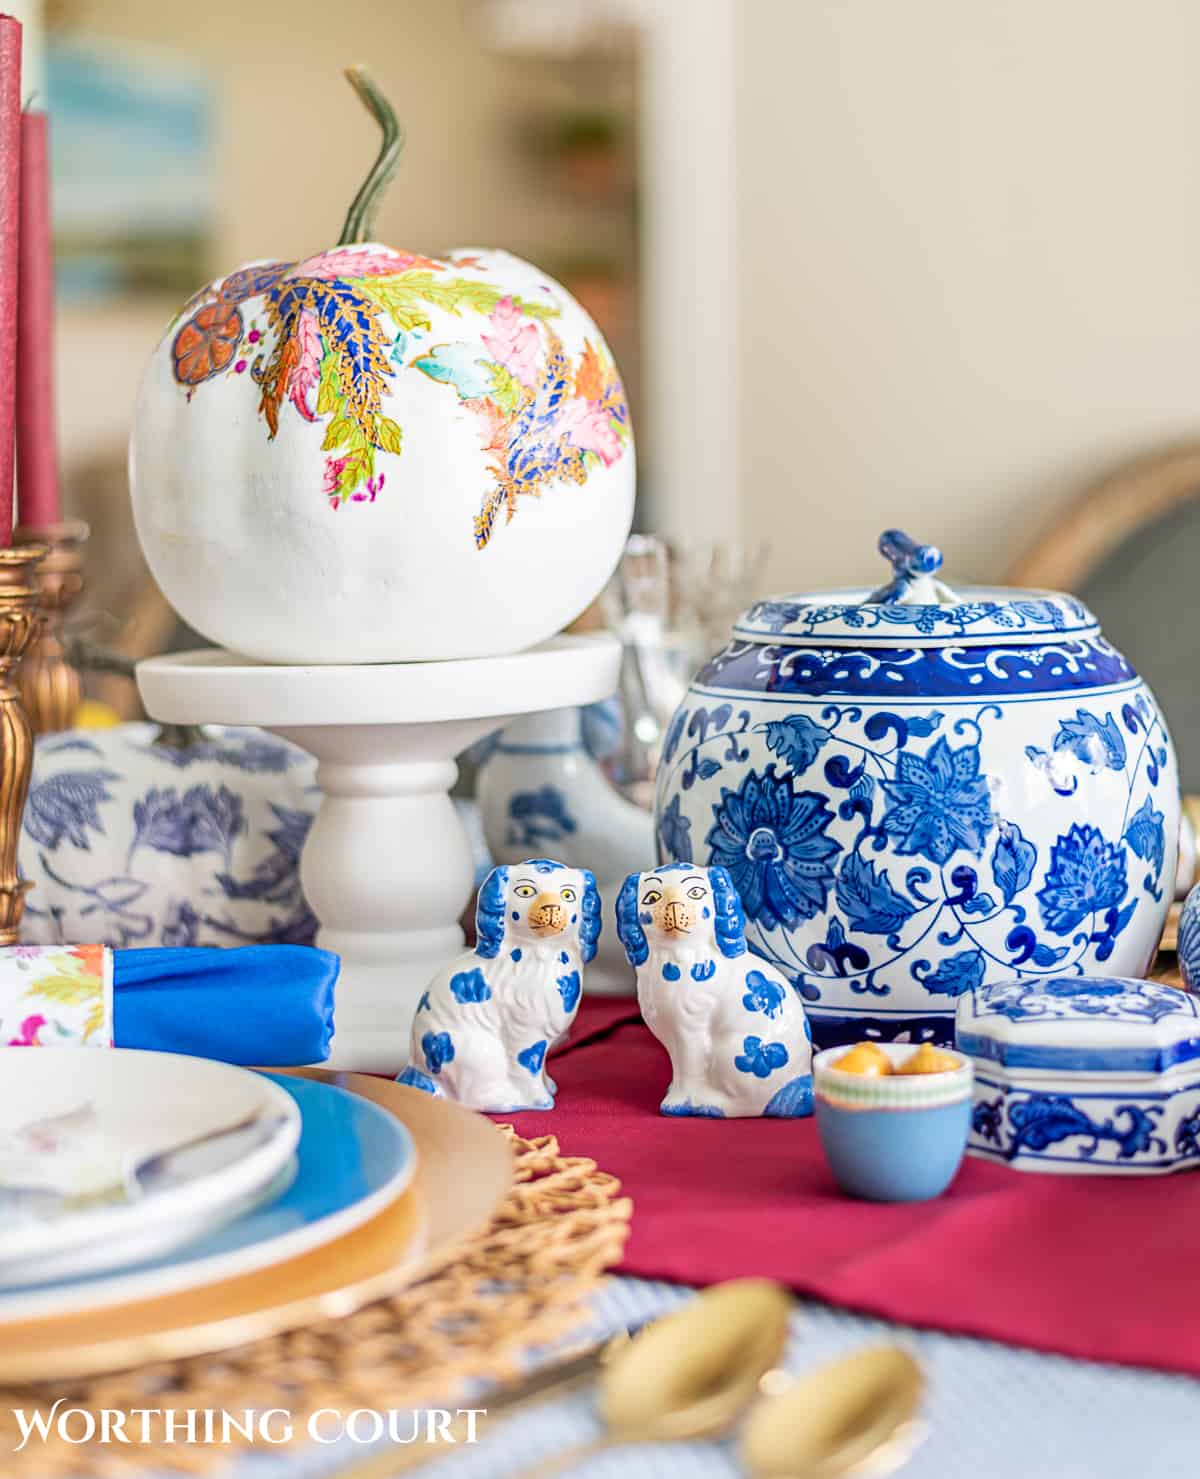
[{"x": 464, "y": 1171}]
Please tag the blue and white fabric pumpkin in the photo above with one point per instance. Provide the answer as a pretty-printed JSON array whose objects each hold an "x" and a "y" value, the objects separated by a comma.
[{"x": 132, "y": 843}]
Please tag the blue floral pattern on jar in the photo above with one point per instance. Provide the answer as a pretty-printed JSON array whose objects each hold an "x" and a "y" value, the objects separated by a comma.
[
  {"x": 938, "y": 803},
  {"x": 771, "y": 839},
  {"x": 891, "y": 855}
]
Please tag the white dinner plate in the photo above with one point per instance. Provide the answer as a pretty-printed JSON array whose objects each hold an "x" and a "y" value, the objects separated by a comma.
[
  {"x": 353, "y": 1161},
  {"x": 75, "y": 1123}
]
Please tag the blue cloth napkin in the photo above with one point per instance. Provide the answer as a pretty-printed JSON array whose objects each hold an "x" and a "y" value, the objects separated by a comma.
[{"x": 270, "y": 1005}]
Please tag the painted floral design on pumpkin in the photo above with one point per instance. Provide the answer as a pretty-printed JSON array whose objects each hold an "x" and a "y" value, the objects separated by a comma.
[
  {"x": 68, "y": 805},
  {"x": 329, "y": 354}
]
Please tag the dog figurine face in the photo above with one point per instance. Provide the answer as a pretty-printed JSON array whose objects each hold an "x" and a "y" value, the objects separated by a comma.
[
  {"x": 537, "y": 902},
  {"x": 680, "y": 907}
]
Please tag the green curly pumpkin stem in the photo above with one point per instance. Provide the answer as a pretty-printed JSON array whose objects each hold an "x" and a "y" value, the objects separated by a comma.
[{"x": 360, "y": 218}]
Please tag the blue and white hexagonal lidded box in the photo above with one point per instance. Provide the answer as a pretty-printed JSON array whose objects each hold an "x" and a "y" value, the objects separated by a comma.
[
  {"x": 1074, "y": 1073},
  {"x": 918, "y": 793}
]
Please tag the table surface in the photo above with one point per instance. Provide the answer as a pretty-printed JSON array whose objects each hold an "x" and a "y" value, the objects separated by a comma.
[{"x": 993, "y": 1413}]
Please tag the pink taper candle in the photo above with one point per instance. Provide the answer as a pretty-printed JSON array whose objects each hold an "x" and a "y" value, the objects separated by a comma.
[
  {"x": 37, "y": 450},
  {"x": 10, "y": 214}
]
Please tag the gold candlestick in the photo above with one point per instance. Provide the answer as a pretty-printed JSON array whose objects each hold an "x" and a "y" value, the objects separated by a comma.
[
  {"x": 20, "y": 619},
  {"x": 51, "y": 687}
]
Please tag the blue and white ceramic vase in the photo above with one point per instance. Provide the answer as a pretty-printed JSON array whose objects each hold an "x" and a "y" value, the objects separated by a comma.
[
  {"x": 917, "y": 793},
  {"x": 541, "y": 791}
]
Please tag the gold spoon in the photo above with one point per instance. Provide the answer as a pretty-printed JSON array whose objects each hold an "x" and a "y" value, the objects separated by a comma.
[
  {"x": 690, "y": 1374},
  {"x": 857, "y": 1415}
]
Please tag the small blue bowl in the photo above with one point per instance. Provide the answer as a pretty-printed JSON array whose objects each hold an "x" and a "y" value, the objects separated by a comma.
[{"x": 898, "y": 1138}]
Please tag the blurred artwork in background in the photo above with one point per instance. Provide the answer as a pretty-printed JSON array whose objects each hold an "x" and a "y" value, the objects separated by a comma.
[{"x": 134, "y": 178}]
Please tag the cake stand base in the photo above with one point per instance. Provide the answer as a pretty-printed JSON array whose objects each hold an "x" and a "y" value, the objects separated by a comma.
[{"x": 387, "y": 865}]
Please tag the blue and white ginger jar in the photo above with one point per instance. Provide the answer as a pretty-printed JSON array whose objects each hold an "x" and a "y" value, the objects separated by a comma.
[{"x": 918, "y": 793}]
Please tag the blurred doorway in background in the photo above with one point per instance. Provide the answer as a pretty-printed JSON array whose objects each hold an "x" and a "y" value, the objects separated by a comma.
[{"x": 1130, "y": 549}]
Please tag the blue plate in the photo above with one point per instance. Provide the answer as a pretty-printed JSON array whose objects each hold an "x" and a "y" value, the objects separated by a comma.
[{"x": 353, "y": 1159}]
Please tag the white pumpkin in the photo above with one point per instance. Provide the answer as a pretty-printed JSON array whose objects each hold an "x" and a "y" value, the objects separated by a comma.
[{"x": 377, "y": 456}]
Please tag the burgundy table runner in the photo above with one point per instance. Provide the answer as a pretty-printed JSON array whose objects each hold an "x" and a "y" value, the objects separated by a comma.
[{"x": 1096, "y": 1267}]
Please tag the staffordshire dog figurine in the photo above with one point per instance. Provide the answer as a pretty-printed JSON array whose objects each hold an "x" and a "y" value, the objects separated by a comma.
[
  {"x": 735, "y": 1028},
  {"x": 483, "y": 1028}
]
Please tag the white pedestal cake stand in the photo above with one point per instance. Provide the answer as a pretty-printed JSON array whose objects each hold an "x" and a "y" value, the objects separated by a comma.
[{"x": 387, "y": 866}]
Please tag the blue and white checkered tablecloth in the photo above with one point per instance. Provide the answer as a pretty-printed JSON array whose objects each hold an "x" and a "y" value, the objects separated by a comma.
[{"x": 994, "y": 1412}]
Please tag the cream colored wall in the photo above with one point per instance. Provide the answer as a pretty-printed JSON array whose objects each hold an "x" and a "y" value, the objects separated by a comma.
[
  {"x": 969, "y": 266},
  {"x": 294, "y": 142},
  {"x": 293, "y": 146},
  {"x": 967, "y": 270}
]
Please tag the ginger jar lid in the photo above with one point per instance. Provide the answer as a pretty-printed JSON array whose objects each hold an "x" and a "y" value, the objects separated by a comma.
[
  {"x": 1080, "y": 1024},
  {"x": 915, "y": 609}
]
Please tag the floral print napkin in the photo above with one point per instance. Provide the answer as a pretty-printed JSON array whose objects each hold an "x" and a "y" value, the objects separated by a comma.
[{"x": 53, "y": 995}]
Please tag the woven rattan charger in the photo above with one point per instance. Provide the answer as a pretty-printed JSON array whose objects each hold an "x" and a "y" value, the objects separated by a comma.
[{"x": 464, "y": 1311}]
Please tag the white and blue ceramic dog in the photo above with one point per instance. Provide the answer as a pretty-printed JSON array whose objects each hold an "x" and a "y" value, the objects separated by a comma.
[
  {"x": 734, "y": 1026},
  {"x": 483, "y": 1028}
]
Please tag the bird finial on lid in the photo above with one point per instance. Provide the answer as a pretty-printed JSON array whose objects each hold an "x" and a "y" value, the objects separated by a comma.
[{"x": 913, "y": 568}]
